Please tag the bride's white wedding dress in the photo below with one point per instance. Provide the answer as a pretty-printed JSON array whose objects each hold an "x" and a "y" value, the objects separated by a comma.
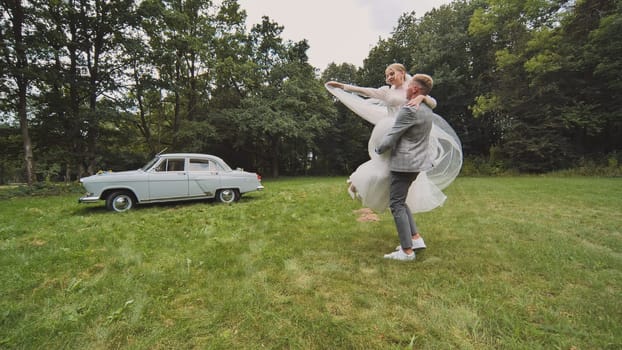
[{"x": 372, "y": 178}]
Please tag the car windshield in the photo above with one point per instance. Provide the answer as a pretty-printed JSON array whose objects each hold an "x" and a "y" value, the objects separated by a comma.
[{"x": 149, "y": 164}]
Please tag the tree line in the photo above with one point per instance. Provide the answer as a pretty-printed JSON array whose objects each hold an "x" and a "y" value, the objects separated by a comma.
[{"x": 90, "y": 85}]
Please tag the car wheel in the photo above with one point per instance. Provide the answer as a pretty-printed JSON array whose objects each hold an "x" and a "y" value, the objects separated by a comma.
[
  {"x": 228, "y": 195},
  {"x": 120, "y": 201}
]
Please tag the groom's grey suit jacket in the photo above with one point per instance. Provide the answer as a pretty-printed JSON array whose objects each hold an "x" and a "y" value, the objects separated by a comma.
[{"x": 408, "y": 140}]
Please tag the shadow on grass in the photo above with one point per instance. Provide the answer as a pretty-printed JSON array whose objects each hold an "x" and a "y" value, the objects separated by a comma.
[{"x": 100, "y": 207}]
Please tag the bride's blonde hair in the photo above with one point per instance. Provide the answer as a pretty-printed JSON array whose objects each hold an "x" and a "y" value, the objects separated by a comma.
[{"x": 398, "y": 67}]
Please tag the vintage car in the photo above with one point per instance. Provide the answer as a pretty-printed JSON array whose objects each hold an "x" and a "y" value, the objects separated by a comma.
[{"x": 170, "y": 177}]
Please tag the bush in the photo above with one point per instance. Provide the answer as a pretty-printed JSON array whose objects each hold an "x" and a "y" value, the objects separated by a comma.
[
  {"x": 479, "y": 166},
  {"x": 609, "y": 165},
  {"x": 39, "y": 189}
]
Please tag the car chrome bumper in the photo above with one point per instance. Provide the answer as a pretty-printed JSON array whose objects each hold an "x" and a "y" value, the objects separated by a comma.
[
  {"x": 259, "y": 188},
  {"x": 88, "y": 199}
]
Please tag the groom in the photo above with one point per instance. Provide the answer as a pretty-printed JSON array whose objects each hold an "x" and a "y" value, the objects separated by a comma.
[{"x": 408, "y": 142}]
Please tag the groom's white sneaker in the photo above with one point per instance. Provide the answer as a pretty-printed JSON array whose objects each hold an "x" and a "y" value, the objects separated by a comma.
[
  {"x": 417, "y": 244},
  {"x": 400, "y": 255}
]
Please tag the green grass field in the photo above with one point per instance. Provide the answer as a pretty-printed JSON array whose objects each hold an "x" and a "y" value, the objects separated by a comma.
[{"x": 512, "y": 263}]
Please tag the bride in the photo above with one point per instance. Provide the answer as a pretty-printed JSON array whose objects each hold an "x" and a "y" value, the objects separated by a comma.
[{"x": 370, "y": 181}]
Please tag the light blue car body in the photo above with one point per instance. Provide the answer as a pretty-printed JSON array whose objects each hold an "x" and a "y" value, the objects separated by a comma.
[{"x": 170, "y": 177}]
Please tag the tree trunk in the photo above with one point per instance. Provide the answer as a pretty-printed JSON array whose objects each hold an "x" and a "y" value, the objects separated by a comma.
[
  {"x": 275, "y": 157},
  {"x": 21, "y": 65},
  {"x": 93, "y": 125},
  {"x": 23, "y": 124}
]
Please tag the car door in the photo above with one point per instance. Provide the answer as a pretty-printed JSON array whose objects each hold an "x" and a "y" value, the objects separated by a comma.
[
  {"x": 168, "y": 179},
  {"x": 203, "y": 177}
]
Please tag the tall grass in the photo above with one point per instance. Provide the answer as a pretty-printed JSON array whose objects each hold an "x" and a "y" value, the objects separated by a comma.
[{"x": 512, "y": 263}]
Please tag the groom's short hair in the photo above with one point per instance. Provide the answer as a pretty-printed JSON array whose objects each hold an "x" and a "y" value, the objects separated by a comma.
[{"x": 424, "y": 81}]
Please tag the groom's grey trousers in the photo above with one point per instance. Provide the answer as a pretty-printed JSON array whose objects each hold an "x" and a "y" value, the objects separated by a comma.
[{"x": 404, "y": 221}]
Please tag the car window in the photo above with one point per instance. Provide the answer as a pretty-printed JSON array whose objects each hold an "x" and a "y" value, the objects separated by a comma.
[
  {"x": 176, "y": 164},
  {"x": 162, "y": 166},
  {"x": 171, "y": 165},
  {"x": 201, "y": 165}
]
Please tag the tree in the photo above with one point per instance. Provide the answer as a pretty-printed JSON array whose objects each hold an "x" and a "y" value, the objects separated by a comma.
[
  {"x": 439, "y": 44},
  {"x": 180, "y": 37},
  {"x": 283, "y": 109},
  {"x": 533, "y": 137},
  {"x": 76, "y": 60},
  {"x": 587, "y": 56},
  {"x": 16, "y": 76}
]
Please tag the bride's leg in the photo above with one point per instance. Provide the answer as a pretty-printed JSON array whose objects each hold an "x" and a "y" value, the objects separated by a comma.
[{"x": 351, "y": 189}]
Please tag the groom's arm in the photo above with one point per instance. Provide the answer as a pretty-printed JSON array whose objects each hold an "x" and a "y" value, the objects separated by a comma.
[{"x": 403, "y": 122}]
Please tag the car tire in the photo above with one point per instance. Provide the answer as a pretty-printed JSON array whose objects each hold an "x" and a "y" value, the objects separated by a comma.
[
  {"x": 228, "y": 195},
  {"x": 120, "y": 201}
]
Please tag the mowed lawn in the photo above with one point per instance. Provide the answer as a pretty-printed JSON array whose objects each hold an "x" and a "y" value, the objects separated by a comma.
[{"x": 512, "y": 263}]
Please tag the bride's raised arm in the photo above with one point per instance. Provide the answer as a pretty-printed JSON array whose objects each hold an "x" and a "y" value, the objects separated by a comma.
[
  {"x": 364, "y": 108},
  {"x": 379, "y": 93}
]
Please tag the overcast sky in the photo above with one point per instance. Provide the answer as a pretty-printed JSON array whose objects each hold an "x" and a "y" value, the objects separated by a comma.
[{"x": 340, "y": 31}]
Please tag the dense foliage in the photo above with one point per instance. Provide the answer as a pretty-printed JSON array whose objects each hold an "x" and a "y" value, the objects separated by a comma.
[{"x": 88, "y": 84}]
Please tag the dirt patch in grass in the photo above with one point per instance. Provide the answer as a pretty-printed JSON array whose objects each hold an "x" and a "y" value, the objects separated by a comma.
[{"x": 366, "y": 215}]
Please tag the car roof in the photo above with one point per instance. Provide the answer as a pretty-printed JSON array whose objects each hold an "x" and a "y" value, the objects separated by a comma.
[{"x": 192, "y": 155}]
